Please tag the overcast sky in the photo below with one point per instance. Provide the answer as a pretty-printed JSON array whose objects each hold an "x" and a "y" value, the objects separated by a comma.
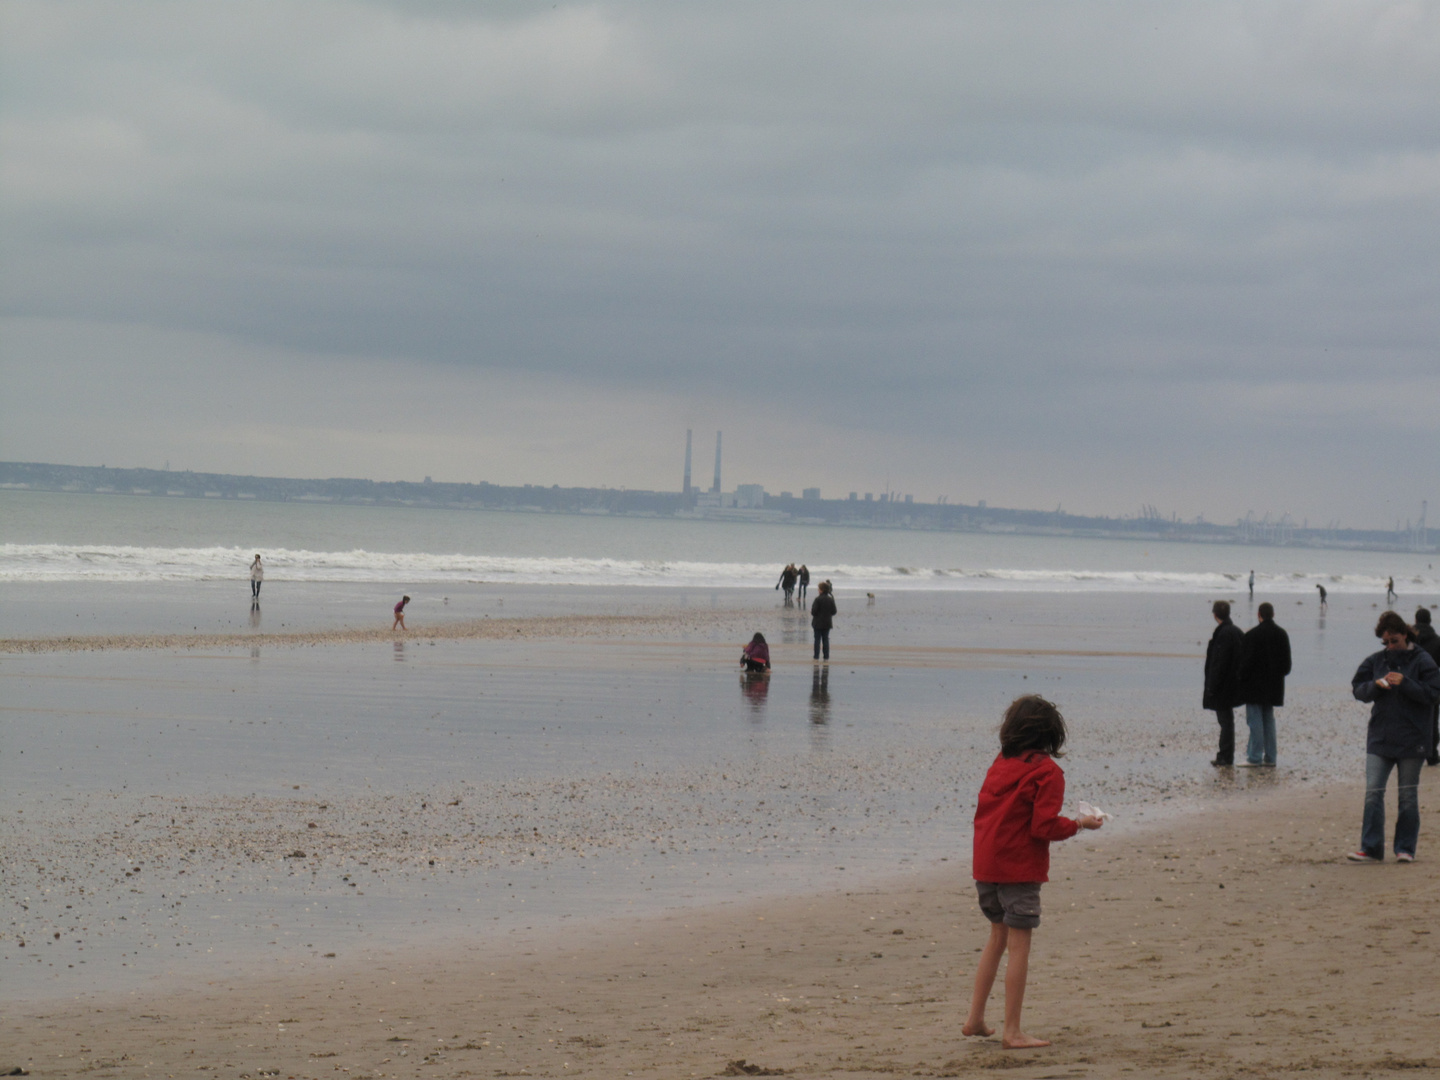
[{"x": 1084, "y": 254}]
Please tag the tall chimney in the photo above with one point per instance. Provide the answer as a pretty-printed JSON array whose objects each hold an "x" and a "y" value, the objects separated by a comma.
[
  {"x": 716, "y": 487},
  {"x": 686, "y": 490}
]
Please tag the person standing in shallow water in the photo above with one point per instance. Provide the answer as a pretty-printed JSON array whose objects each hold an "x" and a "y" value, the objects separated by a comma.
[
  {"x": 1222, "y": 679},
  {"x": 1264, "y": 663},
  {"x": 1390, "y": 594},
  {"x": 822, "y": 618},
  {"x": 257, "y": 578},
  {"x": 1401, "y": 682},
  {"x": 1324, "y": 597},
  {"x": 802, "y": 582}
]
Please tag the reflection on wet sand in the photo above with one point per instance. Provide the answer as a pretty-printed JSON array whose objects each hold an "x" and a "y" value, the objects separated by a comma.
[
  {"x": 755, "y": 685},
  {"x": 820, "y": 695},
  {"x": 400, "y": 651}
]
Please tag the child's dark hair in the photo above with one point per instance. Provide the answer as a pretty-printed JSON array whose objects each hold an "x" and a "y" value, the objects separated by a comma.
[
  {"x": 758, "y": 639},
  {"x": 1032, "y": 723}
]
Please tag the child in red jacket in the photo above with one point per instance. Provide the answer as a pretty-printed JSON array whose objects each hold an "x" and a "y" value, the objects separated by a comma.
[{"x": 1017, "y": 817}]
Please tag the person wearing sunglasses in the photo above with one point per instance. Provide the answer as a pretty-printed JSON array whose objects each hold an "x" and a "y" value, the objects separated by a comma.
[{"x": 1401, "y": 683}]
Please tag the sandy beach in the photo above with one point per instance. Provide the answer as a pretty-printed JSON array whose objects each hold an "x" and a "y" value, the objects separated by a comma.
[
  {"x": 1235, "y": 943},
  {"x": 560, "y": 845}
]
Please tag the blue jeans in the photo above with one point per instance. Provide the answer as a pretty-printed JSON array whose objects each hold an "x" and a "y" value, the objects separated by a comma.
[
  {"x": 1261, "y": 747},
  {"x": 1407, "y": 822},
  {"x": 822, "y": 637}
]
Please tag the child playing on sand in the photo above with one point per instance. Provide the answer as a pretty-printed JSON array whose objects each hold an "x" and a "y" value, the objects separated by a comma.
[
  {"x": 1017, "y": 817},
  {"x": 400, "y": 613},
  {"x": 756, "y": 655}
]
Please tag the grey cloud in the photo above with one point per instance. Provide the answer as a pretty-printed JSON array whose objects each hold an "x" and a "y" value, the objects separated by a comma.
[{"x": 924, "y": 220}]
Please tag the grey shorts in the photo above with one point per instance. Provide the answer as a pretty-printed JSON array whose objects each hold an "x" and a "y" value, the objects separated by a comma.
[{"x": 1015, "y": 903}]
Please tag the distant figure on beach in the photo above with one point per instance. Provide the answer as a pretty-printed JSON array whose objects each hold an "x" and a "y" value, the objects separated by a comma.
[
  {"x": 822, "y": 618},
  {"x": 1264, "y": 663},
  {"x": 756, "y": 655},
  {"x": 1402, "y": 683},
  {"x": 257, "y": 577},
  {"x": 1390, "y": 594},
  {"x": 1324, "y": 596},
  {"x": 802, "y": 581},
  {"x": 787, "y": 582},
  {"x": 1429, "y": 640},
  {"x": 1222, "y": 679},
  {"x": 400, "y": 613},
  {"x": 1017, "y": 816},
  {"x": 1252, "y": 584}
]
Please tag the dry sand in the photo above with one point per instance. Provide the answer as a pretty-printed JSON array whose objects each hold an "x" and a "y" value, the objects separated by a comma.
[{"x": 1234, "y": 943}]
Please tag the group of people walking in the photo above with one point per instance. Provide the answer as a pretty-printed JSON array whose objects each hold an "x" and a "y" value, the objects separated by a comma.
[
  {"x": 1400, "y": 683},
  {"x": 794, "y": 579}
]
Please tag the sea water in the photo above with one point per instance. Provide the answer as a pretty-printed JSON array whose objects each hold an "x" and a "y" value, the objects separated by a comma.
[{"x": 153, "y": 802}]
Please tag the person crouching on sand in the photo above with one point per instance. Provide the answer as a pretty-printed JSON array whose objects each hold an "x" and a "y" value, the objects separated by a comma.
[
  {"x": 756, "y": 655},
  {"x": 1017, "y": 816},
  {"x": 400, "y": 613}
]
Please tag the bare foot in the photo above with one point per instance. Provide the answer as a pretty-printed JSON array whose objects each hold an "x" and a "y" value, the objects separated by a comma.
[
  {"x": 1023, "y": 1042},
  {"x": 976, "y": 1029}
]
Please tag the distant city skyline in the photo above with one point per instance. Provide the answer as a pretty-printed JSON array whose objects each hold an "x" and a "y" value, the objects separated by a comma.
[{"x": 1104, "y": 256}]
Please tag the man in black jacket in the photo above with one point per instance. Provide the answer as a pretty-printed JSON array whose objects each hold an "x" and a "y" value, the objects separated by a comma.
[
  {"x": 1428, "y": 640},
  {"x": 822, "y": 618},
  {"x": 1222, "y": 679},
  {"x": 1264, "y": 663}
]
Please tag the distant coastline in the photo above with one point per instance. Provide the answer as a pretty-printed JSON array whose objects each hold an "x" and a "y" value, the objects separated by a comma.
[{"x": 774, "y": 509}]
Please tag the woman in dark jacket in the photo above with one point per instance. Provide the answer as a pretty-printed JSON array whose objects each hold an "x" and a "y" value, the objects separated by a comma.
[
  {"x": 822, "y": 617},
  {"x": 1401, "y": 682}
]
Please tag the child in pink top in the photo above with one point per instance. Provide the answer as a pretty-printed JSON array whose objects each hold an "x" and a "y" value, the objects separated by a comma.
[{"x": 400, "y": 613}]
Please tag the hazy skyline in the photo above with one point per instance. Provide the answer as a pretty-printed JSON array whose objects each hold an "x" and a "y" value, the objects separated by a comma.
[{"x": 1097, "y": 255}]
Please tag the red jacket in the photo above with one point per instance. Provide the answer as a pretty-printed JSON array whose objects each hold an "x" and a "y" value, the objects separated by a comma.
[{"x": 1017, "y": 816}]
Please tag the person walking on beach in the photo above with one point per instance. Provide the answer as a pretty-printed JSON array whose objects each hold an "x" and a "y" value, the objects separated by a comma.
[
  {"x": 1016, "y": 818},
  {"x": 822, "y": 618},
  {"x": 787, "y": 582},
  {"x": 1222, "y": 679},
  {"x": 257, "y": 578},
  {"x": 1390, "y": 594},
  {"x": 1252, "y": 584},
  {"x": 1264, "y": 663},
  {"x": 400, "y": 613},
  {"x": 1429, "y": 640},
  {"x": 756, "y": 655},
  {"x": 1324, "y": 596},
  {"x": 802, "y": 581},
  {"x": 1402, "y": 683}
]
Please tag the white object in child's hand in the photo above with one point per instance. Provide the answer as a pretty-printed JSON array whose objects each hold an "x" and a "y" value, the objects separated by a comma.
[{"x": 1086, "y": 810}]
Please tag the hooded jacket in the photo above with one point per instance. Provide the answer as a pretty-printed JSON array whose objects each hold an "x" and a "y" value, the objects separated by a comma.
[
  {"x": 1222, "y": 668},
  {"x": 1264, "y": 663},
  {"x": 1399, "y": 716},
  {"x": 1016, "y": 817}
]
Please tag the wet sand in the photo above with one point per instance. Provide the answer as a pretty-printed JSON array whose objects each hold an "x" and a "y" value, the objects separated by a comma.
[
  {"x": 1234, "y": 943},
  {"x": 583, "y": 843}
]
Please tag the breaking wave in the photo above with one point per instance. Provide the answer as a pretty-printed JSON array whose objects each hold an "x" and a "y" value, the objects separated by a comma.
[{"x": 101, "y": 563}]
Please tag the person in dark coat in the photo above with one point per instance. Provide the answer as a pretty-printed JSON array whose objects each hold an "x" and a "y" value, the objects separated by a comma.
[
  {"x": 1429, "y": 640},
  {"x": 1222, "y": 679},
  {"x": 1264, "y": 663},
  {"x": 787, "y": 582},
  {"x": 1402, "y": 683},
  {"x": 822, "y": 617}
]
